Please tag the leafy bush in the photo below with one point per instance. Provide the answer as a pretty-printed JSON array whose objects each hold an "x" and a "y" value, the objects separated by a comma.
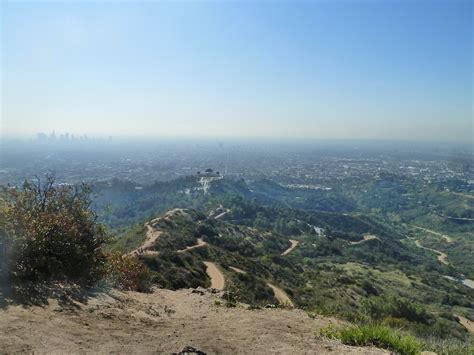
[
  {"x": 380, "y": 336},
  {"x": 53, "y": 233},
  {"x": 380, "y": 307},
  {"x": 128, "y": 273}
]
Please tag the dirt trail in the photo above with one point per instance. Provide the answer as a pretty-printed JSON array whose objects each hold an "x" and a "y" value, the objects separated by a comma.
[
  {"x": 240, "y": 271},
  {"x": 281, "y": 295},
  {"x": 464, "y": 195},
  {"x": 152, "y": 235},
  {"x": 367, "y": 237},
  {"x": 469, "y": 325},
  {"x": 219, "y": 216},
  {"x": 442, "y": 257},
  {"x": 200, "y": 243},
  {"x": 216, "y": 276},
  {"x": 164, "y": 322},
  {"x": 294, "y": 244},
  {"x": 447, "y": 238}
]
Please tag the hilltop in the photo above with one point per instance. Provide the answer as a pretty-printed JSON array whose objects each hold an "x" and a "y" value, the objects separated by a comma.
[{"x": 164, "y": 321}]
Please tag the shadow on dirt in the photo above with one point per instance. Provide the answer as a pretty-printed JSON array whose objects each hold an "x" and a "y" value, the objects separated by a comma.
[{"x": 39, "y": 294}]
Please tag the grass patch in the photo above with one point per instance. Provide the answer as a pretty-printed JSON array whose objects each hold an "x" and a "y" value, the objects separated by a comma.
[{"x": 377, "y": 335}]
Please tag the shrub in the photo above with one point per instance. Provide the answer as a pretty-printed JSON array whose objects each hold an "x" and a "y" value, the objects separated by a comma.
[
  {"x": 53, "y": 233},
  {"x": 377, "y": 335},
  {"x": 381, "y": 307},
  {"x": 128, "y": 273}
]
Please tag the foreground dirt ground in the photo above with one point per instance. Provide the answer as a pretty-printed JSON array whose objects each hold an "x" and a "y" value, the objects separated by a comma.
[{"x": 163, "y": 322}]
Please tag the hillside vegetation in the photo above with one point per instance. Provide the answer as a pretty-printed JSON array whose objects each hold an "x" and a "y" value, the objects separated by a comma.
[{"x": 268, "y": 247}]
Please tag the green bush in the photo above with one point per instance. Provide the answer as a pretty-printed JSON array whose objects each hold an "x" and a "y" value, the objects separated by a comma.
[
  {"x": 377, "y": 335},
  {"x": 381, "y": 307},
  {"x": 128, "y": 273},
  {"x": 52, "y": 234}
]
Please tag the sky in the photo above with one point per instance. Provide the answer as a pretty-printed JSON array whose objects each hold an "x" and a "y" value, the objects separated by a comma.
[{"x": 290, "y": 69}]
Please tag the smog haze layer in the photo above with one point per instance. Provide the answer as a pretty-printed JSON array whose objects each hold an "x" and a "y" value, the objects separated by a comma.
[{"x": 358, "y": 70}]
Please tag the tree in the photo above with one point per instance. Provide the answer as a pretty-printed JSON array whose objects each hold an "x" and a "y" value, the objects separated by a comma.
[{"x": 53, "y": 233}]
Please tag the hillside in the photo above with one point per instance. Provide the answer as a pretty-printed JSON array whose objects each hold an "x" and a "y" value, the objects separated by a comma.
[
  {"x": 361, "y": 280},
  {"x": 164, "y": 321},
  {"x": 392, "y": 280}
]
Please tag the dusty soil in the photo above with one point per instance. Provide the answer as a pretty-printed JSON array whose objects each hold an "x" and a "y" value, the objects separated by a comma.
[
  {"x": 469, "y": 325},
  {"x": 152, "y": 235},
  {"x": 281, "y": 295},
  {"x": 216, "y": 276},
  {"x": 163, "y": 321}
]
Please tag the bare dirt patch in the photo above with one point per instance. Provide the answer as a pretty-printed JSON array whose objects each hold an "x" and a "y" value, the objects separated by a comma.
[
  {"x": 164, "y": 322},
  {"x": 216, "y": 276},
  {"x": 281, "y": 295},
  {"x": 468, "y": 324}
]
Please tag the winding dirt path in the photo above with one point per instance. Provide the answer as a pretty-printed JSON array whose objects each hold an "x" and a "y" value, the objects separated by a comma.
[
  {"x": 442, "y": 257},
  {"x": 281, "y": 295},
  {"x": 200, "y": 243},
  {"x": 294, "y": 244},
  {"x": 240, "y": 271},
  {"x": 447, "y": 238},
  {"x": 367, "y": 237},
  {"x": 216, "y": 276},
  {"x": 152, "y": 235}
]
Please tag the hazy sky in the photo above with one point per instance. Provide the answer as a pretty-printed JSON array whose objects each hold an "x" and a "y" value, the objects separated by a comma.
[{"x": 344, "y": 69}]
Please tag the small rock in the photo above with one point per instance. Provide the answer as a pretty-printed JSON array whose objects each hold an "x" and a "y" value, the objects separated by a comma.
[{"x": 191, "y": 350}]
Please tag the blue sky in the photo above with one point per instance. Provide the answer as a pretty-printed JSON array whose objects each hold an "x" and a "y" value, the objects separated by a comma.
[{"x": 315, "y": 69}]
